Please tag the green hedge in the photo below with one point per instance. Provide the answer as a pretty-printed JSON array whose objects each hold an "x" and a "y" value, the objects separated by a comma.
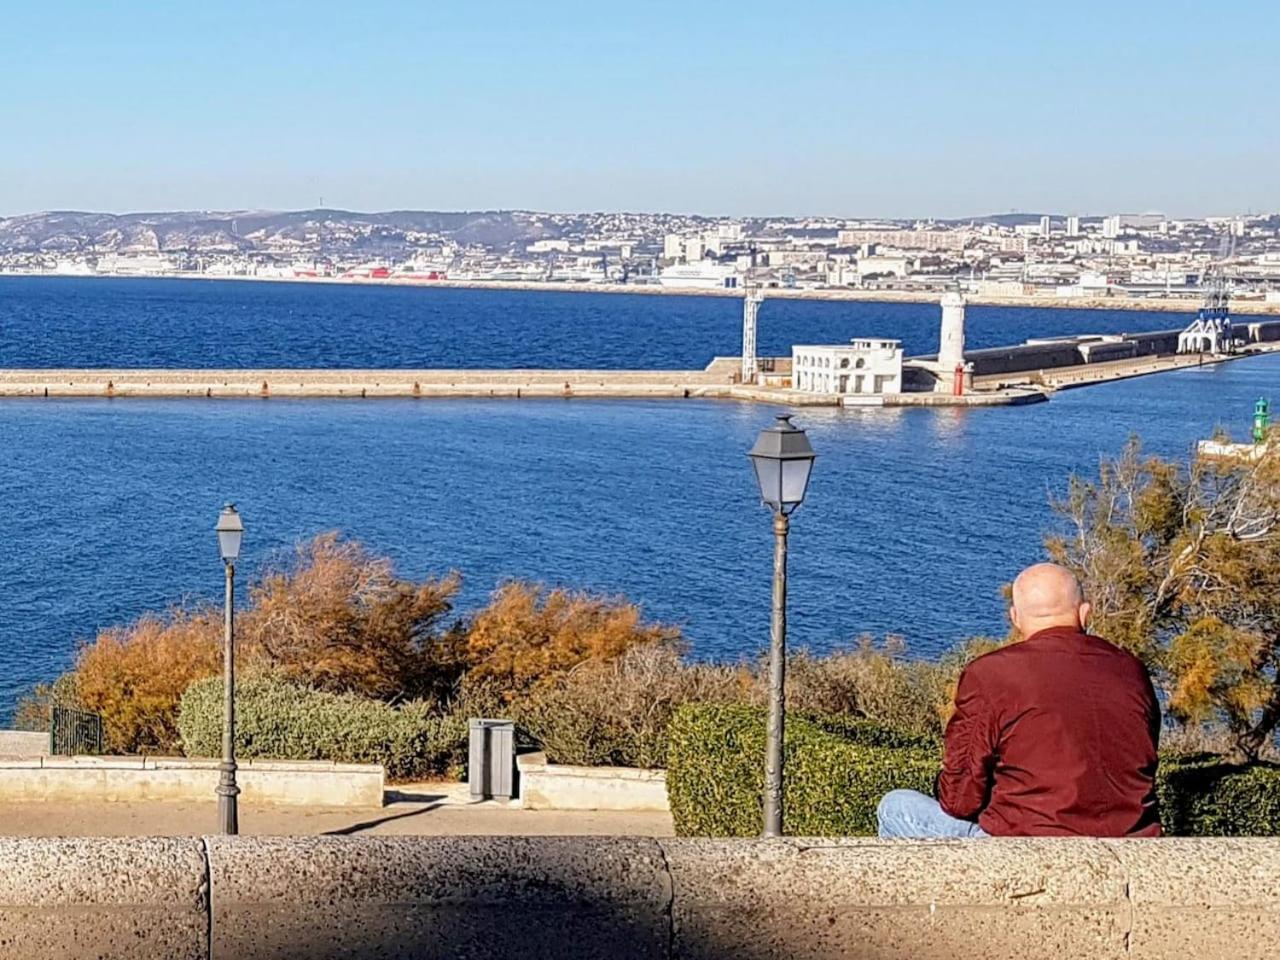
[
  {"x": 838, "y": 768},
  {"x": 1204, "y": 796},
  {"x": 279, "y": 720},
  {"x": 836, "y": 772}
]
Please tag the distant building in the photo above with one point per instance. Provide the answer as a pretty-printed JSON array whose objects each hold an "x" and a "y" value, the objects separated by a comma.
[
  {"x": 1045, "y": 225},
  {"x": 1111, "y": 227},
  {"x": 906, "y": 239},
  {"x": 884, "y": 266},
  {"x": 144, "y": 265},
  {"x": 865, "y": 368},
  {"x": 1073, "y": 226},
  {"x": 548, "y": 246}
]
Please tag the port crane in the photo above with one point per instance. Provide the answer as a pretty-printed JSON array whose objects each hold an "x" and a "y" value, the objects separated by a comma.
[{"x": 1210, "y": 331}]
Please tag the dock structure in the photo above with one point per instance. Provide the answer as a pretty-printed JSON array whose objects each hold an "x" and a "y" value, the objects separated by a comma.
[
  {"x": 1001, "y": 376},
  {"x": 720, "y": 380}
]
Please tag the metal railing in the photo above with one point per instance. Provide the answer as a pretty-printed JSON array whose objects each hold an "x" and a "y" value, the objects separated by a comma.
[{"x": 74, "y": 731}]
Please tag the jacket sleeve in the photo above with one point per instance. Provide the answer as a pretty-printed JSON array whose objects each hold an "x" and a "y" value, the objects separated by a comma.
[{"x": 969, "y": 754}]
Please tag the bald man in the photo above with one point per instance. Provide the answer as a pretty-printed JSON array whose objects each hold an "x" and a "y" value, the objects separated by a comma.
[{"x": 1053, "y": 736}]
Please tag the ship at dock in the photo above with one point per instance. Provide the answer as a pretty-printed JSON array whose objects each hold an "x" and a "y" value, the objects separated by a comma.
[{"x": 703, "y": 275}]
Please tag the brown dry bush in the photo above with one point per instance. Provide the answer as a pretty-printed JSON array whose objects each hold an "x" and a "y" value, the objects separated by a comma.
[
  {"x": 873, "y": 681},
  {"x": 530, "y": 635},
  {"x": 617, "y": 711},
  {"x": 338, "y": 619},
  {"x": 135, "y": 675}
]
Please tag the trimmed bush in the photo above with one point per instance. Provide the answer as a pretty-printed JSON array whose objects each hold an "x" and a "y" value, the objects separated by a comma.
[
  {"x": 837, "y": 768},
  {"x": 1206, "y": 797},
  {"x": 280, "y": 720},
  {"x": 836, "y": 771}
]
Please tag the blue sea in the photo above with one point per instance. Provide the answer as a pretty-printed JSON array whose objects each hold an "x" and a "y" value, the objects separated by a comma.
[{"x": 914, "y": 520}]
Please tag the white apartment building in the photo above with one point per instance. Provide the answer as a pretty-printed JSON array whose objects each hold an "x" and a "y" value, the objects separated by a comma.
[
  {"x": 883, "y": 266},
  {"x": 548, "y": 246},
  {"x": 867, "y": 368}
]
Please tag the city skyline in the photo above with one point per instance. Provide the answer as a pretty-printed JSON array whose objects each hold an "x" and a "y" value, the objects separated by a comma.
[{"x": 913, "y": 111}]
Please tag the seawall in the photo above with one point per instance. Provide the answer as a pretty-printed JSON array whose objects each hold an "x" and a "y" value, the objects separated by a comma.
[
  {"x": 626, "y": 898},
  {"x": 358, "y": 384}
]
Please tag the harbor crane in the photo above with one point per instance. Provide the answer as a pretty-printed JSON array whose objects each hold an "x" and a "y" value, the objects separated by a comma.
[
  {"x": 753, "y": 296},
  {"x": 1210, "y": 331}
]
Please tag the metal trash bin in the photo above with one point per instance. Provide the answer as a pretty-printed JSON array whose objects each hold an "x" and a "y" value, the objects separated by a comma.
[{"x": 491, "y": 758}]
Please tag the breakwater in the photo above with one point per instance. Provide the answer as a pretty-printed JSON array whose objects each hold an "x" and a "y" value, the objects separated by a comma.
[
  {"x": 716, "y": 382},
  {"x": 1014, "y": 376}
]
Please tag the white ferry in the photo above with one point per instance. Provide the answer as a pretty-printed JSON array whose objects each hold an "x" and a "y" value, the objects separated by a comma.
[{"x": 703, "y": 275}]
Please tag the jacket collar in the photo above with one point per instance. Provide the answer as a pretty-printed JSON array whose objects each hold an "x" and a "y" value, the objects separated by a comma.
[{"x": 1057, "y": 633}]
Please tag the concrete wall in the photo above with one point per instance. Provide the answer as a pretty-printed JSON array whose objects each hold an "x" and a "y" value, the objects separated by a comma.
[
  {"x": 145, "y": 898},
  {"x": 625, "y": 898},
  {"x": 1263, "y": 331},
  {"x": 1023, "y": 358},
  {"x": 1051, "y": 354},
  {"x": 554, "y": 786},
  {"x": 22, "y": 743},
  {"x": 108, "y": 779},
  {"x": 355, "y": 383}
]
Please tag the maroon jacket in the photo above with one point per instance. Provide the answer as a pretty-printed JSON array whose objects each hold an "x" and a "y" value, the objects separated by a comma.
[{"x": 1054, "y": 736}]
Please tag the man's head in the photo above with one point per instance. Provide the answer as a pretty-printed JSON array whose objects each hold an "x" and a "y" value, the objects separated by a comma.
[{"x": 1047, "y": 595}]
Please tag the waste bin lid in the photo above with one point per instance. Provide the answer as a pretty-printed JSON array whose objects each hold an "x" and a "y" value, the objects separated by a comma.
[{"x": 480, "y": 722}]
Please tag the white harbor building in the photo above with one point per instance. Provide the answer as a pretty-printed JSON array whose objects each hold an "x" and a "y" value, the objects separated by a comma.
[{"x": 865, "y": 367}]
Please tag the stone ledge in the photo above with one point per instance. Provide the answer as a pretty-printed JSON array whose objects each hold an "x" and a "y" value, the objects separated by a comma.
[
  {"x": 23, "y": 744},
  {"x": 553, "y": 786},
  {"x": 638, "y": 898},
  {"x": 106, "y": 779}
]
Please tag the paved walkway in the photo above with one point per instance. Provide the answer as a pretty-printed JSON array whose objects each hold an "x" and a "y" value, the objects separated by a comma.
[{"x": 426, "y": 809}]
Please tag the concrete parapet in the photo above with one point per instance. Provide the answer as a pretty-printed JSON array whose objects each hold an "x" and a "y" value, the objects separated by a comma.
[
  {"x": 854, "y": 898},
  {"x": 136, "y": 899},
  {"x": 554, "y": 786},
  {"x": 22, "y": 743},
  {"x": 313, "y": 783},
  {"x": 440, "y": 897},
  {"x": 636, "y": 898}
]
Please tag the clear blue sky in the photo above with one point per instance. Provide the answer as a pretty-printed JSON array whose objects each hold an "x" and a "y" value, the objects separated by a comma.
[{"x": 842, "y": 108}]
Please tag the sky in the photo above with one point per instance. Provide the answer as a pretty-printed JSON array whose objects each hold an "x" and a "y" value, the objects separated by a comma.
[{"x": 852, "y": 109}]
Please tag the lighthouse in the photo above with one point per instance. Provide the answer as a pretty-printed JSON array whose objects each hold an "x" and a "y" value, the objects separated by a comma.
[{"x": 951, "y": 366}]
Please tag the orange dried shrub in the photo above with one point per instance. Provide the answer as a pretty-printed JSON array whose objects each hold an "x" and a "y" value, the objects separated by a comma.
[
  {"x": 338, "y": 619},
  {"x": 135, "y": 675},
  {"x": 529, "y": 634}
]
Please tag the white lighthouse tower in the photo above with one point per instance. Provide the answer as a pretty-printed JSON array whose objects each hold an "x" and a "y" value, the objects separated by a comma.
[{"x": 953, "y": 373}]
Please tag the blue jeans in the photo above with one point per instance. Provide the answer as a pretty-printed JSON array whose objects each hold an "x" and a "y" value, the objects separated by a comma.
[{"x": 910, "y": 815}]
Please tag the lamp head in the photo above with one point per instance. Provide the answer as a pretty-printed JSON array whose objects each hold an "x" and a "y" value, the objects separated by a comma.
[
  {"x": 230, "y": 531},
  {"x": 783, "y": 460}
]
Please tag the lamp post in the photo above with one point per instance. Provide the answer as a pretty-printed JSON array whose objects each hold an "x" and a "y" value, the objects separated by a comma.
[
  {"x": 783, "y": 459},
  {"x": 230, "y": 531}
]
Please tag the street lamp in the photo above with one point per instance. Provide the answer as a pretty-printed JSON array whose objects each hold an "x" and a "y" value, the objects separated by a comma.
[
  {"x": 783, "y": 459},
  {"x": 230, "y": 531}
]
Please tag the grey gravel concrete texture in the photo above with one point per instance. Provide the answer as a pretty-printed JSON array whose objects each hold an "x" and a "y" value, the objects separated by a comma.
[
  {"x": 459, "y": 897},
  {"x": 103, "y": 898},
  {"x": 473, "y": 897}
]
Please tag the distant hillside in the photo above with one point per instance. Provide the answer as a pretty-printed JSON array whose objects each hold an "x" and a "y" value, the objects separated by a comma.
[{"x": 315, "y": 231}]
